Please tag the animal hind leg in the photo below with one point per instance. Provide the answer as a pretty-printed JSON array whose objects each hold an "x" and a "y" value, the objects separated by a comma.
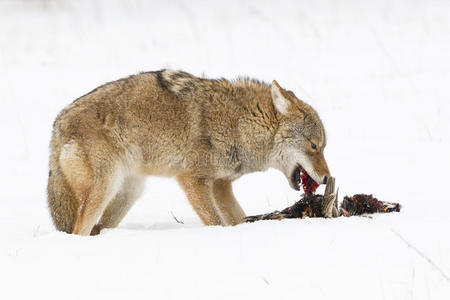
[
  {"x": 119, "y": 206},
  {"x": 92, "y": 191},
  {"x": 95, "y": 202}
]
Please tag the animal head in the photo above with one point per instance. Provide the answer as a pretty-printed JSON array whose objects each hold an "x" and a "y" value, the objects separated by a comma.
[{"x": 300, "y": 140}]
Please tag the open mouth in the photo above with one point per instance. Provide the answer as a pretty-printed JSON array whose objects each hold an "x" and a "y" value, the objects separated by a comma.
[{"x": 300, "y": 177}]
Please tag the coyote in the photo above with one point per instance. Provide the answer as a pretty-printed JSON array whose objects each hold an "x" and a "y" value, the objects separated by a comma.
[{"x": 204, "y": 132}]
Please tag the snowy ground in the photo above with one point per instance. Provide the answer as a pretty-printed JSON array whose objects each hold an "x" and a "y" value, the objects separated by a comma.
[{"x": 378, "y": 72}]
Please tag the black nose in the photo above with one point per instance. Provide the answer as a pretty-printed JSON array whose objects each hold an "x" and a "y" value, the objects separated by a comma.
[{"x": 325, "y": 180}]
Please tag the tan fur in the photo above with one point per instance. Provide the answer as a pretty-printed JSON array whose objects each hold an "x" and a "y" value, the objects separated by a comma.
[{"x": 204, "y": 132}]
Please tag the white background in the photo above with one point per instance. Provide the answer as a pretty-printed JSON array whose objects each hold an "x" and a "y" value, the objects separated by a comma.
[{"x": 378, "y": 72}]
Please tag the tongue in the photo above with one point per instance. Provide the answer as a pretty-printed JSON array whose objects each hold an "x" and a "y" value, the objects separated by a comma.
[{"x": 308, "y": 184}]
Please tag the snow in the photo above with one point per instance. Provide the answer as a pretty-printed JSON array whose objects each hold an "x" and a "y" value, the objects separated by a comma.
[{"x": 377, "y": 72}]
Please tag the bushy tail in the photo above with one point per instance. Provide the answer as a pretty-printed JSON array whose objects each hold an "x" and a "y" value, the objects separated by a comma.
[{"x": 61, "y": 201}]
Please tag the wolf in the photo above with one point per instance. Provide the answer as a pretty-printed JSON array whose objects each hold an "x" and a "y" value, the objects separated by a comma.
[{"x": 204, "y": 132}]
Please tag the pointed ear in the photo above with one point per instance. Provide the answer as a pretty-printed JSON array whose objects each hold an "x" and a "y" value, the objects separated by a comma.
[{"x": 279, "y": 101}]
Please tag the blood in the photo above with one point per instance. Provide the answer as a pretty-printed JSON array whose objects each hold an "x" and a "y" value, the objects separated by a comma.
[{"x": 308, "y": 184}]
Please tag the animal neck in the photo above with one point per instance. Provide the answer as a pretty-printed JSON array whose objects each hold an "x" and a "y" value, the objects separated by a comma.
[{"x": 257, "y": 124}]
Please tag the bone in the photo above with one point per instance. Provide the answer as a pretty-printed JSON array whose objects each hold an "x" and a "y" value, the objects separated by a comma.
[
  {"x": 329, "y": 199},
  {"x": 335, "y": 210}
]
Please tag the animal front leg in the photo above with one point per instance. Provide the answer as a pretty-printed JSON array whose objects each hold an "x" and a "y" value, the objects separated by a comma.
[
  {"x": 199, "y": 192},
  {"x": 229, "y": 209}
]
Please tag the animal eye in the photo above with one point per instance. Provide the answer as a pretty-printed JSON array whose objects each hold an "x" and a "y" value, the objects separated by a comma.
[{"x": 313, "y": 146}]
